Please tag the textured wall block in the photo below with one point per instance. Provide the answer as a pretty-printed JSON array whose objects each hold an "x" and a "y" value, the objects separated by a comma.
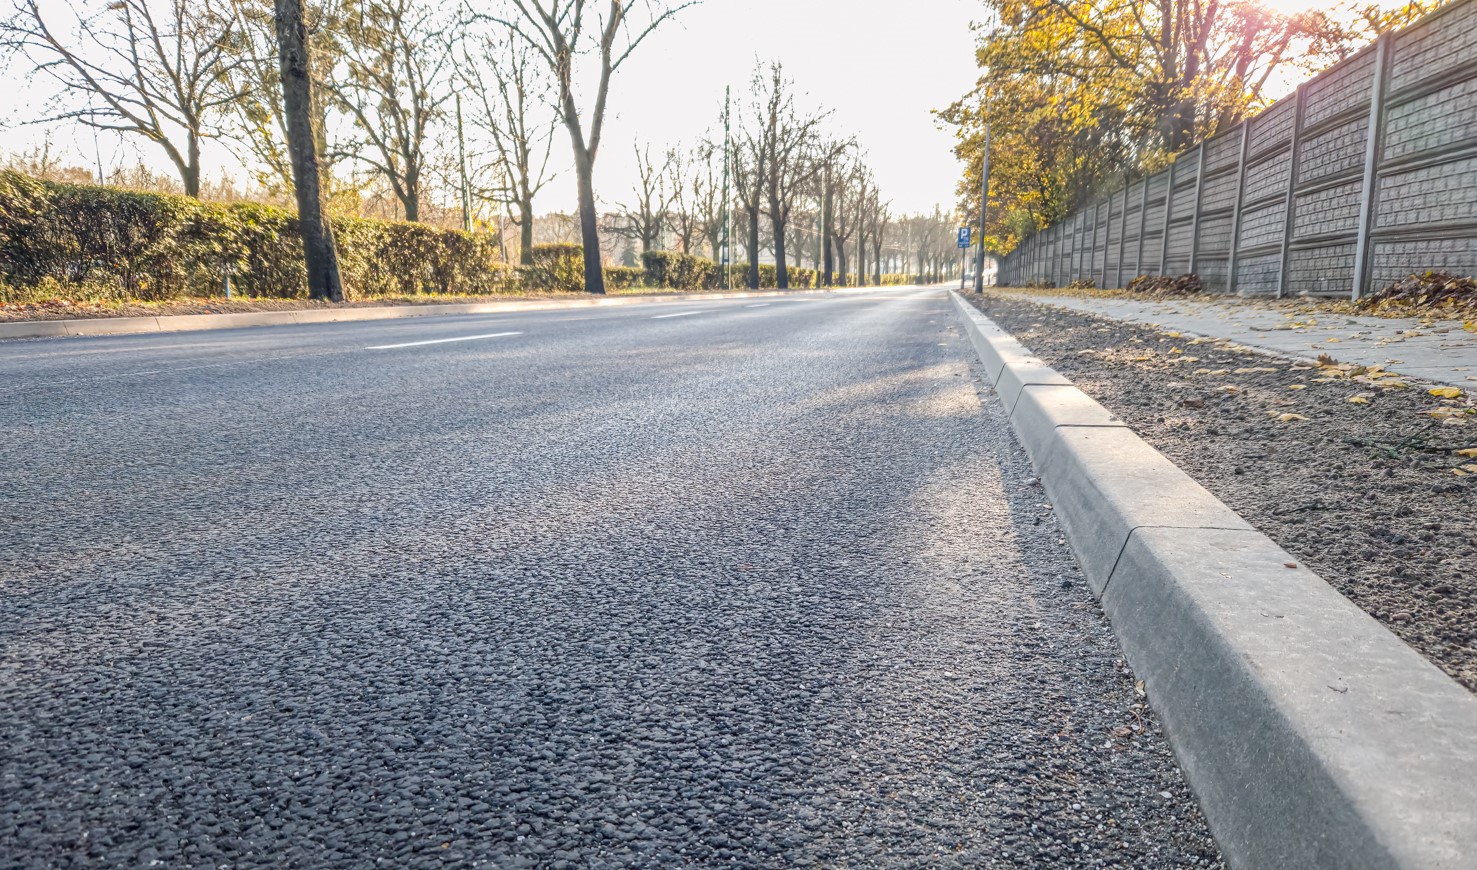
[
  {"x": 1257, "y": 276},
  {"x": 1335, "y": 151},
  {"x": 1215, "y": 235},
  {"x": 1180, "y": 237},
  {"x": 1342, "y": 89},
  {"x": 1444, "y": 193},
  {"x": 1393, "y": 260},
  {"x": 1435, "y": 120},
  {"x": 1437, "y": 45},
  {"x": 1224, "y": 150},
  {"x": 1323, "y": 271},
  {"x": 1330, "y": 212},
  {"x": 1177, "y": 265},
  {"x": 1186, "y": 167},
  {"x": 1158, "y": 186},
  {"x": 1220, "y": 192},
  {"x": 1269, "y": 177},
  {"x": 1213, "y": 272},
  {"x": 1264, "y": 225},
  {"x": 1273, "y": 128},
  {"x": 1182, "y": 201}
]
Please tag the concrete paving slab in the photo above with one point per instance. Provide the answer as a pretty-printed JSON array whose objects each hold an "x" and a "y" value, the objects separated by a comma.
[
  {"x": 1443, "y": 352},
  {"x": 1314, "y": 736}
]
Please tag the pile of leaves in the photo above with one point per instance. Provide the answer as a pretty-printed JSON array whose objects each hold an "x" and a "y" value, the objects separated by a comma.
[
  {"x": 1166, "y": 285},
  {"x": 1454, "y": 294},
  {"x": 1083, "y": 284}
]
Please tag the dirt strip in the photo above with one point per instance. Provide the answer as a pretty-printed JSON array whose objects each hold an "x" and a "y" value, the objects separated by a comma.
[{"x": 1368, "y": 478}]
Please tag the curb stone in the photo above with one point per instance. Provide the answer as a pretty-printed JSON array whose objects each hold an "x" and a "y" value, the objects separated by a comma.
[
  {"x": 192, "y": 322},
  {"x": 1311, "y": 735}
]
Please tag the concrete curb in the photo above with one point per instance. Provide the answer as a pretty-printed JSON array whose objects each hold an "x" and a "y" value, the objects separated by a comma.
[
  {"x": 190, "y": 322},
  {"x": 1311, "y": 735}
]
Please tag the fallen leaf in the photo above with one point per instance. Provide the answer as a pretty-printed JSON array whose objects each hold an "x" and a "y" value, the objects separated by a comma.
[
  {"x": 1297, "y": 386},
  {"x": 1253, "y": 371},
  {"x": 1288, "y": 418},
  {"x": 1290, "y": 564},
  {"x": 1469, "y": 452},
  {"x": 1470, "y": 469},
  {"x": 1357, "y": 400},
  {"x": 1470, "y": 326},
  {"x": 1445, "y": 392}
]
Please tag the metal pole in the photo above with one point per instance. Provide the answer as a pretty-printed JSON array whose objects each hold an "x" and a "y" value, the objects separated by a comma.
[
  {"x": 979, "y": 256},
  {"x": 461, "y": 146}
]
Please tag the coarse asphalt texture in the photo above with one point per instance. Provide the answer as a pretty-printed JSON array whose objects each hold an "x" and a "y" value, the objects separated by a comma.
[{"x": 763, "y": 584}]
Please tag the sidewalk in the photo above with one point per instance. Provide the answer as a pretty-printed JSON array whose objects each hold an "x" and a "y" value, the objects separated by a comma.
[{"x": 1443, "y": 352}]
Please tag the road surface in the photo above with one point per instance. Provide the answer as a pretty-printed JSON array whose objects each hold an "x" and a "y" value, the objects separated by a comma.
[{"x": 745, "y": 583}]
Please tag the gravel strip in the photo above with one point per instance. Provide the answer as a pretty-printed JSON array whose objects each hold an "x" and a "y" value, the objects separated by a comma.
[
  {"x": 1372, "y": 493},
  {"x": 762, "y": 591}
]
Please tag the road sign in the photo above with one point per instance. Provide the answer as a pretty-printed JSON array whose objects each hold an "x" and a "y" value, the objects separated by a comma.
[{"x": 966, "y": 237}]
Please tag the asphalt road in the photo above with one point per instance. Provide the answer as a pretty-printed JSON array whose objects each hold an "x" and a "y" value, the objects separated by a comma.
[{"x": 746, "y": 583}]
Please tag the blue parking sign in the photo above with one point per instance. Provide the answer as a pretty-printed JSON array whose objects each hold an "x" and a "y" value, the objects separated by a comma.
[{"x": 966, "y": 237}]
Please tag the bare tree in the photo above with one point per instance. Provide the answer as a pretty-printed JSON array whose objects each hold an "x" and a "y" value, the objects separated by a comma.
[
  {"x": 794, "y": 160},
  {"x": 297, "y": 98},
  {"x": 708, "y": 195},
  {"x": 687, "y": 180},
  {"x": 849, "y": 181},
  {"x": 750, "y": 175},
  {"x": 393, "y": 83},
  {"x": 560, "y": 31},
  {"x": 877, "y": 218},
  {"x": 509, "y": 112},
  {"x": 259, "y": 124},
  {"x": 644, "y": 221},
  {"x": 165, "y": 77}
]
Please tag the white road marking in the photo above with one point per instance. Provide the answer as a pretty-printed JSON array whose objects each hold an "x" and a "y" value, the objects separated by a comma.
[
  {"x": 760, "y": 305},
  {"x": 683, "y": 314},
  {"x": 442, "y": 340}
]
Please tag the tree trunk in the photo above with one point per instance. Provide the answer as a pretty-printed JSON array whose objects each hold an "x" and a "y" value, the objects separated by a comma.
[
  {"x": 754, "y": 249},
  {"x": 584, "y": 168},
  {"x": 302, "y": 144},
  {"x": 841, "y": 262},
  {"x": 192, "y": 171},
  {"x": 781, "y": 269},
  {"x": 861, "y": 260},
  {"x": 525, "y": 232},
  {"x": 826, "y": 215}
]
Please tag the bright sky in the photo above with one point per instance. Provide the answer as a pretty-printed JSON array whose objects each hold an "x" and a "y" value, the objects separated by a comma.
[{"x": 881, "y": 65}]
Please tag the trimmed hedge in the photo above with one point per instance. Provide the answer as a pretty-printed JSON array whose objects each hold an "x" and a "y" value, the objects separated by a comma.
[
  {"x": 671, "y": 270},
  {"x": 86, "y": 242}
]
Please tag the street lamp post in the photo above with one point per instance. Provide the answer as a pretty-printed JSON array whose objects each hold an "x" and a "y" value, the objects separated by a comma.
[{"x": 979, "y": 256}]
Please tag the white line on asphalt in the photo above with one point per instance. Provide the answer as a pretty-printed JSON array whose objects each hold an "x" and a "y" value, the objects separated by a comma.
[
  {"x": 683, "y": 314},
  {"x": 442, "y": 340},
  {"x": 760, "y": 305}
]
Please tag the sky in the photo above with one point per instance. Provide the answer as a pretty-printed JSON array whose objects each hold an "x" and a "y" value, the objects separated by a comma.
[{"x": 881, "y": 66}]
